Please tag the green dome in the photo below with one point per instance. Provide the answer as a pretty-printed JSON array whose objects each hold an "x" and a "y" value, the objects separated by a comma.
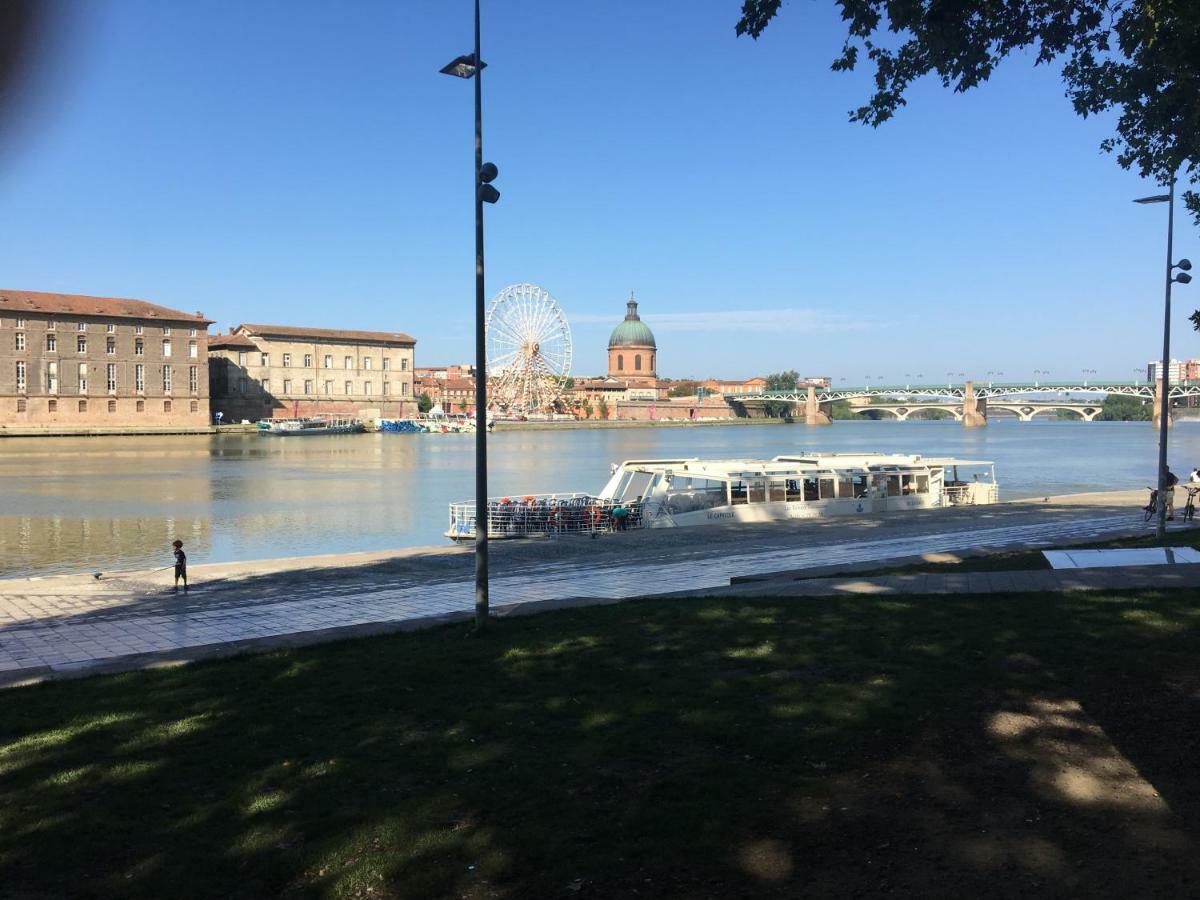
[{"x": 633, "y": 332}]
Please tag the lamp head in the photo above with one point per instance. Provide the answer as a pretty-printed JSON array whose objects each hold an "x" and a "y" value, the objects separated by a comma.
[
  {"x": 1185, "y": 264},
  {"x": 463, "y": 67},
  {"x": 1157, "y": 198},
  {"x": 1183, "y": 278}
]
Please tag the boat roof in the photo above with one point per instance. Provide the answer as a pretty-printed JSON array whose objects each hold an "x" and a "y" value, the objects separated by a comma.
[{"x": 791, "y": 464}]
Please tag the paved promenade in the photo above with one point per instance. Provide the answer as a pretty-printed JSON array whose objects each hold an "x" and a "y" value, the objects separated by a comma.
[{"x": 58, "y": 626}]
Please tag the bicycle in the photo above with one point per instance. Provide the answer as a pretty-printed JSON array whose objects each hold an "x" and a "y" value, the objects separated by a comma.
[
  {"x": 1151, "y": 508},
  {"x": 1189, "y": 508}
]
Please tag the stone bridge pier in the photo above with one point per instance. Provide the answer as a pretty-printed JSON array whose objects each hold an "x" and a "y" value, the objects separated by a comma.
[
  {"x": 816, "y": 413},
  {"x": 1156, "y": 413},
  {"x": 974, "y": 408}
]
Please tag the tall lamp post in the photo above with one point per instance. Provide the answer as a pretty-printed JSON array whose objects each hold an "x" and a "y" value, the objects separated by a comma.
[
  {"x": 472, "y": 66},
  {"x": 1164, "y": 412}
]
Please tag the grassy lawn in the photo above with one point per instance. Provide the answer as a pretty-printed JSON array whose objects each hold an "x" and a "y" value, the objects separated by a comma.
[
  {"x": 974, "y": 746},
  {"x": 1014, "y": 560}
]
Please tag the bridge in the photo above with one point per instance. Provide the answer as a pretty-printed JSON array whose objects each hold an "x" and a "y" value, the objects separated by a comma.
[
  {"x": 1025, "y": 411},
  {"x": 968, "y": 402}
]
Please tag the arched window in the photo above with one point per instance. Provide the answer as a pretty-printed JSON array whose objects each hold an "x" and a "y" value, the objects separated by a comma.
[
  {"x": 637, "y": 362},
  {"x": 651, "y": 362},
  {"x": 620, "y": 363}
]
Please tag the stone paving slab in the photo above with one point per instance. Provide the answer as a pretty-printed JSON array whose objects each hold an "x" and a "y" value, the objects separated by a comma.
[{"x": 65, "y": 626}]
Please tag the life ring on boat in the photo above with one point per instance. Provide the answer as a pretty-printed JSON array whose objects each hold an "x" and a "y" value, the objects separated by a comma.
[
  {"x": 527, "y": 499},
  {"x": 595, "y": 515}
]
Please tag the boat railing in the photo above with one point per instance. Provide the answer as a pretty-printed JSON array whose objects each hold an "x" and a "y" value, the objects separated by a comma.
[
  {"x": 972, "y": 493},
  {"x": 545, "y": 514}
]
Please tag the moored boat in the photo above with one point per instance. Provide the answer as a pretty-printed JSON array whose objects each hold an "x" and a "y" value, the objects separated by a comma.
[
  {"x": 664, "y": 493},
  {"x": 311, "y": 425}
]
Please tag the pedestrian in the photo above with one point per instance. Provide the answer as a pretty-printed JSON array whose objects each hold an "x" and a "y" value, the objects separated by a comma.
[
  {"x": 1194, "y": 478},
  {"x": 619, "y": 515},
  {"x": 180, "y": 566},
  {"x": 1172, "y": 480}
]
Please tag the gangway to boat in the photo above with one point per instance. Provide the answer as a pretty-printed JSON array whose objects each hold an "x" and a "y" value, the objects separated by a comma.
[{"x": 537, "y": 515}]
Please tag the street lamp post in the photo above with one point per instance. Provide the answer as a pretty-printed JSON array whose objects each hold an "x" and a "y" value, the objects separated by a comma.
[
  {"x": 1164, "y": 413},
  {"x": 472, "y": 66}
]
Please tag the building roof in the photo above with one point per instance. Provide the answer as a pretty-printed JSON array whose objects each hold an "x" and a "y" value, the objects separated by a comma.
[
  {"x": 83, "y": 305},
  {"x": 329, "y": 334},
  {"x": 633, "y": 332},
  {"x": 231, "y": 342}
]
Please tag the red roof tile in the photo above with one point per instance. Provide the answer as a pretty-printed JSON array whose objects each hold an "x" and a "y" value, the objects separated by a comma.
[
  {"x": 332, "y": 334},
  {"x": 231, "y": 341},
  {"x": 83, "y": 305}
]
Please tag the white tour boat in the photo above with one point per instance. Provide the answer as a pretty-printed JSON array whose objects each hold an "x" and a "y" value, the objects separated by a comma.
[{"x": 664, "y": 493}]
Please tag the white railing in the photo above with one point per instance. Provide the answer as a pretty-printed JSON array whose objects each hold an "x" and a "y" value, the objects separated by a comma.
[
  {"x": 975, "y": 493},
  {"x": 544, "y": 514}
]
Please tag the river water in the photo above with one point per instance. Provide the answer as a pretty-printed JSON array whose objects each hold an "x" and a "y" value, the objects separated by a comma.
[{"x": 111, "y": 503}]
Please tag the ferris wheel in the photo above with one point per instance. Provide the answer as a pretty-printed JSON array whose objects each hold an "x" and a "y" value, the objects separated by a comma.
[{"x": 528, "y": 349}]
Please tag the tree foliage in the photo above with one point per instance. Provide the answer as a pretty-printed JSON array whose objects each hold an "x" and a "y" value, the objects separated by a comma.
[
  {"x": 602, "y": 408},
  {"x": 1137, "y": 58},
  {"x": 780, "y": 381},
  {"x": 1122, "y": 408},
  {"x": 685, "y": 388},
  {"x": 424, "y": 403}
]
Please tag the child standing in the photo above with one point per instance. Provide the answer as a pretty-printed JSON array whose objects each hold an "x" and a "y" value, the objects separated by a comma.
[{"x": 180, "y": 566}]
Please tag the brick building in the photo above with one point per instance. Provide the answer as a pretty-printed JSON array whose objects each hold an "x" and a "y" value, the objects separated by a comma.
[
  {"x": 281, "y": 371},
  {"x": 70, "y": 362},
  {"x": 453, "y": 394}
]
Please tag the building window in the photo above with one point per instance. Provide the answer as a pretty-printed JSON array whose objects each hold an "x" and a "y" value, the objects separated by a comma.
[
  {"x": 193, "y": 352},
  {"x": 21, "y": 404},
  {"x": 141, "y": 406},
  {"x": 241, "y": 357},
  {"x": 348, "y": 362},
  {"x": 241, "y": 385},
  {"x": 387, "y": 364},
  {"x": 20, "y": 339},
  {"x": 328, "y": 361},
  {"x": 81, "y": 345},
  {"x": 52, "y": 406},
  {"x": 51, "y": 324},
  {"x": 308, "y": 385},
  {"x": 20, "y": 323},
  {"x": 404, "y": 365},
  {"x": 193, "y": 379},
  {"x": 404, "y": 388},
  {"x": 287, "y": 386},
  {"x": 83, "y": 406},
  {"x": 620, "y": 363},
  {"x": 166, "y": 348},
  {"x": 287, "y": 359},
  {"x": 137, "y": 329},
  {"x": 367, "y": 388},
  {"x": 139, "y": 378},
  {"x": 266, "y": 385},
  {"x": 166, "y": 379},
  {"x": 112, "y": 406},
  {"x": 81, "y": 326},
  {"x": 366, "y": 362},
  {"x": 328, "y": 387},
  {"x": 51, "y": 343},
  {"x": 166, "y": 406},
  {"x": 191, "y": 332},
  {"x": 83, "y": 378},
  {"x": 387, "y": 388},
  {"x": 110, "y": 377},
  {"x": 110, "y": 346},
  {"x": 266, "y": 359},
  {"x": 194, "y": 406},
  {"x": 308, "y": 360},
  {"x": 166, "y": 329},
  {"x": 637, "y": 362},
  {"x": 349, "y": 388},
  {"x": 110, "y": 328},
  {"x": 20, "y": 376},
  {"x": 139, "y": 347}
]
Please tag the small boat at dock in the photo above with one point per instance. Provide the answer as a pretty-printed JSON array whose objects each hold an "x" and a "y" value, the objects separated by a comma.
[
  {"x": 310, "y": 426},
  {"x": 669, "y": 493}
]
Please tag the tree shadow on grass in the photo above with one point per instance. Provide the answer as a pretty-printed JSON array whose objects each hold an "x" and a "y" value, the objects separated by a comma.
[{"x": 716, "y": 748}]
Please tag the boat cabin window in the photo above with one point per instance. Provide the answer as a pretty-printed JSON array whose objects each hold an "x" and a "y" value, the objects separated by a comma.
[
  {"x": 893, "y": 485},
  {"x": 758, "y": 490},
  {"x": 828, "y": 487},
  {"x": 777, "y": 490},
  {"x": 692, "y": 494},
  {"x": 860, "y": 487},
  {"x": 811, "y": 491},
  {"x": 792, "y": 487},
  {"x": 737, "y": 491},
  {"x": 913, "y": 483}
]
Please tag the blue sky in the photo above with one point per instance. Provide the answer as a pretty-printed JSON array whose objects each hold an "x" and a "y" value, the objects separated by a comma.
[{"x": 304, "y": 163}]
